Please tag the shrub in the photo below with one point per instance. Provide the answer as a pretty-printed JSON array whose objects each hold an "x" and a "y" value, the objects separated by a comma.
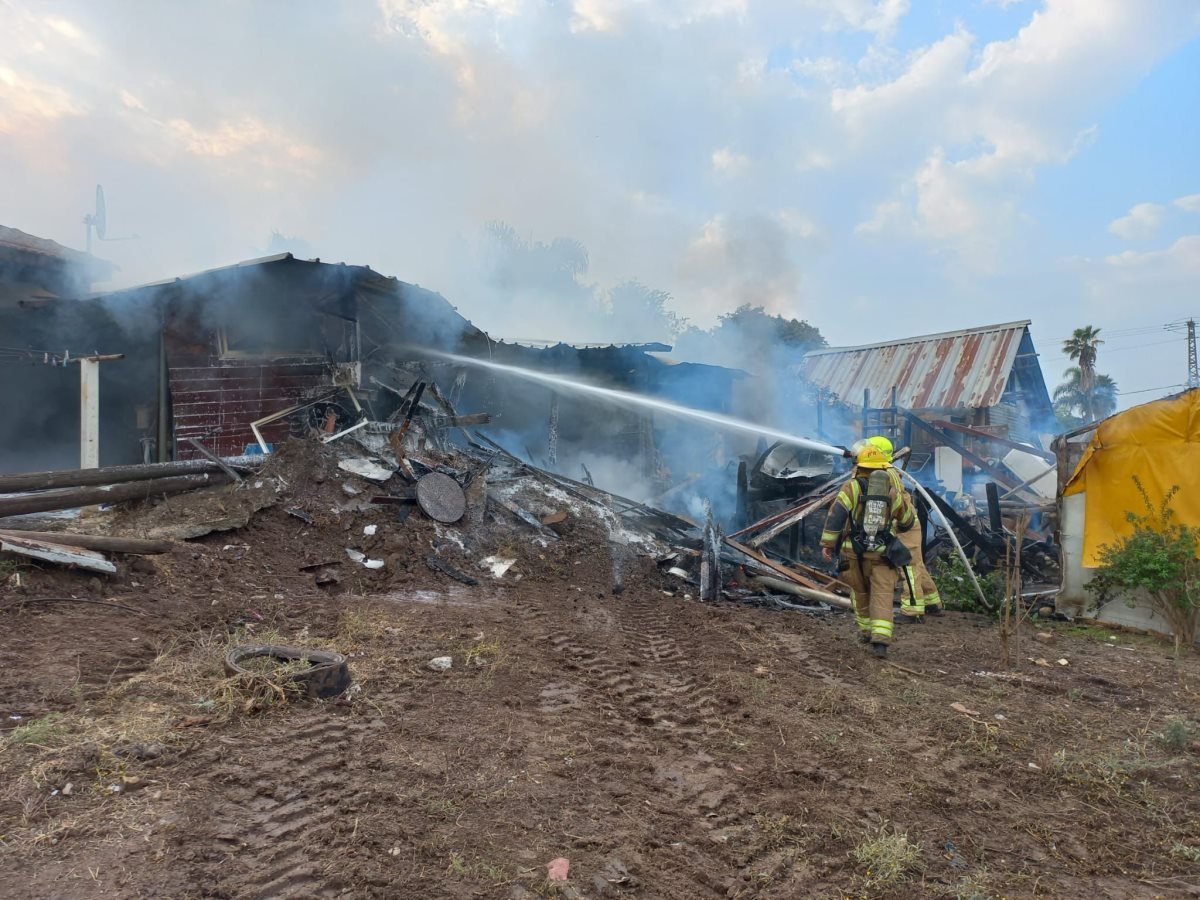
[
  {"x": 1159, "y": 557},
  {"x": 955, "y": 588}
]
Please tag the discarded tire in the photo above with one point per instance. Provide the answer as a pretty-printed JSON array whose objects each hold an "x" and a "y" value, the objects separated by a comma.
[{"x": 327, "y": 675}]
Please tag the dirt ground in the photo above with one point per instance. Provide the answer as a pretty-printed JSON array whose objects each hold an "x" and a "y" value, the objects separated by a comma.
[{"x": 666, "y": 748}]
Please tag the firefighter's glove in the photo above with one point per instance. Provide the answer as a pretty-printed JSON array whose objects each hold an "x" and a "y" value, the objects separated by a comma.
[{"x": 826, "y": 554}]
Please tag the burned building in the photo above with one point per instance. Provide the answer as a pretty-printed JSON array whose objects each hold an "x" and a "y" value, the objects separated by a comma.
[
  {"x": 36, "y": 270},
  {"x": 224, "y": 358},
  {"x": 36, "y": 278},
  {"x": 962, "y": 400}
]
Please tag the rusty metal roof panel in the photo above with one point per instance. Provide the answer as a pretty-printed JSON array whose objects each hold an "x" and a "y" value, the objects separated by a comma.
[{"x": 966, "y": 369}]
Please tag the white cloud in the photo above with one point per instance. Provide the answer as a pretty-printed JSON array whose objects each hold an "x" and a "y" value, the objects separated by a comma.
[
  {"x": 1190, "y": 203},
  {"x": 448, "y": 26},
  {"x": 728, "y": 162},
  {"x": 1181, "y": 258},
  {"x": 974, "y": 129},
  {"x": 888, "y": 215},
  {"x": 26, "y": 102},
  {"x": 1141, "y": 222},
  {"x": 612, "y": 16}
]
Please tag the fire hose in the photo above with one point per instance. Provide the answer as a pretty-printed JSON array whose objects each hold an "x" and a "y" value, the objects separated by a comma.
[{"x": 953, "y": 537}]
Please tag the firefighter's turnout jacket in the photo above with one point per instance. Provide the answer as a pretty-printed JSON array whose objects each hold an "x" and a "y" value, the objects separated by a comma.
[
  {"x": 917, "y": 577},
  {"x": 871, "y": 578}
]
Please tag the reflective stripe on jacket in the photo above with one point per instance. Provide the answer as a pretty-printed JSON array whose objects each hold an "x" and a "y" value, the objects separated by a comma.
[{"x": 845, "y": 507}]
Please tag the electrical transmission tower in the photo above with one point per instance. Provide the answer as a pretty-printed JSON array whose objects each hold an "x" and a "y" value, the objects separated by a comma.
[{"x": 1189, "y": 325}]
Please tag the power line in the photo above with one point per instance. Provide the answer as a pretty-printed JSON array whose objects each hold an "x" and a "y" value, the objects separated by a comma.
[
  {"x": 1165, "y": 387},
  {"x": 1108, "y": 350}
]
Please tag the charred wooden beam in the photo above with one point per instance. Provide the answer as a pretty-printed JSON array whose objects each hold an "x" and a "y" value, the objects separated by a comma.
[
  {"x": 957, "y": 445},
  {"x": 70, "y": 498},
  {"x": 70, "y": 478},
  {"x": 985, "y": 436}
]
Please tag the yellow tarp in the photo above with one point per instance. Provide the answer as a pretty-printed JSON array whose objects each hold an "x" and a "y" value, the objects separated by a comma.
[{"x": 1160, "y": 443}]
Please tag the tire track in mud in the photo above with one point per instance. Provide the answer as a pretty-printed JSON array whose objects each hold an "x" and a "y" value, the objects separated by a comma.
[
  {"x": 637, "y": 675},
  {"x": 281, "y": 804}
]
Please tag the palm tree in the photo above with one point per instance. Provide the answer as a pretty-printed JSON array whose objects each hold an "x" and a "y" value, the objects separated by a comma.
[
  {"x": 1075, "y": 405},
  {"x": 1081, "y": 347}
]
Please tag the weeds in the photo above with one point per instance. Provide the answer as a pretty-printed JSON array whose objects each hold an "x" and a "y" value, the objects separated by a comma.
[
  {"x": 1185, "y": 852},
  {"x": 889, "y": 856},
  {"x": 47, "y": 732},
  {"x": 479, "y": 869},
  {"x": 1176, "y": 736},
  {"x": 975, "y": 887},
  {"x": 777, "y": 830}
]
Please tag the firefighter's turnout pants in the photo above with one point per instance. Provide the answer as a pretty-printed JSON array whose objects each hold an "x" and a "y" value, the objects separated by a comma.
[
  {"x": 916, "y": 576},
  {"x": 872, "y": 585}
]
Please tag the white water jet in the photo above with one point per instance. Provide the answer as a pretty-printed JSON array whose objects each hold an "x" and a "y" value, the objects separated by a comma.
[{"x": 630, "y": 399}]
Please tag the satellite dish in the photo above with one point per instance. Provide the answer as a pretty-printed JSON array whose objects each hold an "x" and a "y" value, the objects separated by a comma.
[{"x": 100, "y": 220}]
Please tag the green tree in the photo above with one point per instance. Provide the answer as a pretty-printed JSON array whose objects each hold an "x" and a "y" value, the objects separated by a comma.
[
  {"x": 1076, "y": 405},
  {"x": 1082, "y": 347},
  {"x": 1159, "y": 558}
]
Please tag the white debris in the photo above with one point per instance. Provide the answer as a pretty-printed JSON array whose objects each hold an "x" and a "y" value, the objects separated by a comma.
[
  {"x": 369, "y": 530},
  {"x": 678, "y": 572},
  {"x": 362, "y": 558},
  {"x": 496, "y": 565},
  {"x": 440, "y": 663},
  {"x": 365, "y": 468},
  {"x": 351, "y": 490}
]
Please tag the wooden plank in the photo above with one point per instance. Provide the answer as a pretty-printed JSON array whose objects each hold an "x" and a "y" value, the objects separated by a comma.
[{"x": 57, "y": 553}]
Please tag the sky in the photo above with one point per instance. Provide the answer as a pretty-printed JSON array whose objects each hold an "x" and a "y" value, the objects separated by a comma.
[{"x": 881, "y": 168}]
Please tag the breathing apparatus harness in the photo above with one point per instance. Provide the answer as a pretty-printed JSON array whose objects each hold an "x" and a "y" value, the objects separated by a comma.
[{"x": 870, "y": 520}]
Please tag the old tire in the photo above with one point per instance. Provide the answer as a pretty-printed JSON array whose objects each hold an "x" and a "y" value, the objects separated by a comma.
[{"x": 327, "y": 676}]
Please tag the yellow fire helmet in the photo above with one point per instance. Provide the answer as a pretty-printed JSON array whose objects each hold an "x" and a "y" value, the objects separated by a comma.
[
  {"x": 883, "y": 444},
  {"x": 871, "y": 457}
]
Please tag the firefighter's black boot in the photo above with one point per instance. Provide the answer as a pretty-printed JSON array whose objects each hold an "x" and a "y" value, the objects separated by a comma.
[{"x": 880, "y": 650}]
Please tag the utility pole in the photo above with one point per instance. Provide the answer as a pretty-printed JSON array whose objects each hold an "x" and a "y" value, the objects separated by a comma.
[
  {"x": 1193, "y": 370},
  {"x": 1189, "y": 325}
]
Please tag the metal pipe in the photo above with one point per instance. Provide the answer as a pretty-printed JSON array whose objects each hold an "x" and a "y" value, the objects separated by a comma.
[{"x": 953, "y": 537}]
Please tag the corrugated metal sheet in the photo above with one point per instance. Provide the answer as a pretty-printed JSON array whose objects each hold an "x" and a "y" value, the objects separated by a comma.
[{"x": 955, "y": 370}]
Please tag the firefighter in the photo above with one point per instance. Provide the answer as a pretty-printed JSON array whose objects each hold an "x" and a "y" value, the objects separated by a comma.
[
  {"x": 917, "y": 577},
  {"x": 863, "y": 525}
]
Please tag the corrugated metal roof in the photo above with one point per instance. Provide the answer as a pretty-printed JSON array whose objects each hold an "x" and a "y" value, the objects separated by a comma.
[{"x": 966, "y": 369}]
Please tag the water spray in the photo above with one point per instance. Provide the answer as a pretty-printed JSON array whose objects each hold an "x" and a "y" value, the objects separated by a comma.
[
  {"x": 716, "y": 419},
  {"x": 630, "y": 399}
]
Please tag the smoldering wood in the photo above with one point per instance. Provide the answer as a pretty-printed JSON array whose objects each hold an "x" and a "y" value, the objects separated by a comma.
[
  {"x": 70, "y": 478},
  {"x": 70, "y": 498},
  {"x": 523, "y": 514},
  {"x": 102, "y": 543}
]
